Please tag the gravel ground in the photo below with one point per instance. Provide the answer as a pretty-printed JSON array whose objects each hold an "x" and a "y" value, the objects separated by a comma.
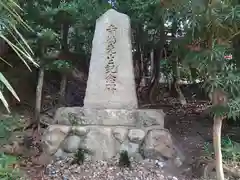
[
  {"x": 110, "y": 170},
  {"x": 107, "y": 170}
]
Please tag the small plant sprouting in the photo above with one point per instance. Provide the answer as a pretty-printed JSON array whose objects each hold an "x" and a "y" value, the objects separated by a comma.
[
  {"x": 72, "y": 119},
  {"x": 79, "y": 156},
  {"x": 124, "y": 159}
]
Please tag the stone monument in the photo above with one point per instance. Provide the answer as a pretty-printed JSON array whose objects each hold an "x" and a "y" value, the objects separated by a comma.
[
  {"x": 111, "y": 79},
  {"x": 110, "y": 122}
]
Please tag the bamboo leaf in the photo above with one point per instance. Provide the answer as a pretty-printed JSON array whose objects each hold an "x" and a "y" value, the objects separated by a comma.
[
  {"x": 9, "y": 87},
  {"x": 5, "y": 103}
]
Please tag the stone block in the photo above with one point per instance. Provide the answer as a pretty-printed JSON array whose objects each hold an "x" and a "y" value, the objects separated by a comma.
[
  {"x": 158, "y": 143},
  {"x": 150, "y": 117},
  {"x": 120, "y": 134},
  {"x": 136, "y": 135},
  {"x": 131, "y": 148},
  {"x": 80, "y": 130},
  {"x": 71, "y": 144},
  {"x": 52, "y": 140},
  {"x": 100, "y": 143}
]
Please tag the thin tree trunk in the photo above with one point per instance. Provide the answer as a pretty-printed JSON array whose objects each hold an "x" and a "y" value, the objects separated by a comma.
[
  {"x": 63, "y": 89},
  {"x": 139, "y": 52},
  {"x": 142, "y": 69},
  {"x": 176, "y": 75},
  {"x": 236, "y": 49},
  {"x": 193, "y": 72},
  {"x": 64, "y": 43},
  {"x": 157, "y": 57},
  {"x": 151, "y": 64},
  {"x": 176, "y": 84},
  {"x": 180, "y": 94},
  {"x": 217, "y": 126},
  {"x": 64, "y": 48},
  {"x": 39, "y": 95},
  {"x": 156, "y": 75},
  {"x": 218, "y": 98},
  {"x": 138, "y": 71}
]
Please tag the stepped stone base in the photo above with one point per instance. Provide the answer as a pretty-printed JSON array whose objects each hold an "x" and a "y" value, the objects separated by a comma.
[{"x": 104, "y": 133}]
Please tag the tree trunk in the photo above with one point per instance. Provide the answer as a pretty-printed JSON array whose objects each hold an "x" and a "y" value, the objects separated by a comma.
[
  {"x": 156, "y": 66},
  {"x": 138, "y": 54},
  {"x": 63, "y": 89},
  {"x": 39, "y": 95},
  {"x": 64, "y": 40},
  {"x": 194, "y": 74},
  {"x": 175, "y": 66},
  {"x": 180, "y": 94},
  {"x": 155, "y": 77},
  {"x": 142, "y": 69},
  {"x": 218, "y": 98},
  {"x": 138, "y": 66},
  {"x": 176, "y": 84},
  {"x": 217, "y": 126},
  {"x": 236, "y": 49},
  {"x": 151, "y": 64}
]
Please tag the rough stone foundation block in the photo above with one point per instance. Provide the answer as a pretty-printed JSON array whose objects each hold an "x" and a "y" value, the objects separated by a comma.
[{"x": 104, "y": 142}]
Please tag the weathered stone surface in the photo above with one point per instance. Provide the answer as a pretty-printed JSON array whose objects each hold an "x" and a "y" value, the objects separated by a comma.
[
  {"x": 158, "y": 143},
  {"x": 46, "y": 119},
  {"x": 82, "y": 116},
  {"x": 101, "y": 143},
  {"x": 71, "y": 144},
  {"x": 120, "y": 134},
  {"x": 60, "y": 154},
  {"x": 111, "y": 80},
  {"x": 131, "y": 148},
  {"x": 136, "y": 135},
  {"x": 69, "y": 116},
  {"x": 112, "y": 117},
  {"x": 63, "y": 128},
  {"x": 178, "y": 161},
  {"x": 150, "y": 117},
  {"x": 52, "y": 140},
  {"x": 119, "y": 117},
  {"x": 80, "y": 130},
  {"x": 137, "y": 157}
]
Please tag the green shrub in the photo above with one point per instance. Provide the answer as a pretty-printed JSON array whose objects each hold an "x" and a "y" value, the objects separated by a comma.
[
  {"x": 230, "y": 149},
  {"x": 8, "y": 171}
]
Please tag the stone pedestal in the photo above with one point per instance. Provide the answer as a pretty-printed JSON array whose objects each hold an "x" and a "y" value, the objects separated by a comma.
[{"x": 106, "y": 132}]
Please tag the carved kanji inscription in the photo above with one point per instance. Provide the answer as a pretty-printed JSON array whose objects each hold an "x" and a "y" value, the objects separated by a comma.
[{"x": 111, "y": 67}]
